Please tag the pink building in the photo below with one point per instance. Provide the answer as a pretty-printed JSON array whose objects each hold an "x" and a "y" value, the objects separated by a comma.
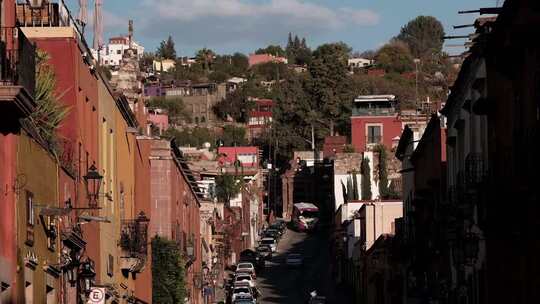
[
  {"x": 158, "y": 119},
  {"x": 248, "y": 156},
  {"x": 264, "y": 58}
]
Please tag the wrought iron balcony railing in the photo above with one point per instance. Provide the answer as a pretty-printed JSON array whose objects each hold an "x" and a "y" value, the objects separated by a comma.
[
  {"x": 475, "y": 169},
  {"x": 134, "y": 236},
  {"x": 17, "y": 59}
]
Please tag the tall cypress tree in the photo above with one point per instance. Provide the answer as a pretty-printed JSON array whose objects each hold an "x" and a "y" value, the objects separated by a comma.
[{"x": 366, "y": 180}]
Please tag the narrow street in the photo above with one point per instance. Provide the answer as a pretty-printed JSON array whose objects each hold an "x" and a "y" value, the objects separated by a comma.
[{"x": 282, "y": 284}]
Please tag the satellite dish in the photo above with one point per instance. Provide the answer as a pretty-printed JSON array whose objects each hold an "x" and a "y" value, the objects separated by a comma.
[{"x": 207, "y": 145}]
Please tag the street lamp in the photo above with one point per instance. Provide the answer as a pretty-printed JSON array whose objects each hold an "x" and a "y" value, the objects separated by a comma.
[
  {"x": 87, "y": 275},
  {"x": 416, "y": 62},
  {"x": 92, "y": 182}
]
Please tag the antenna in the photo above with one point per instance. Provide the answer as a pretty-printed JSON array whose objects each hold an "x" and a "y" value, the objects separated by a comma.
[
  {"x": 130, "y": 34},
  {"x": 83, "y": 13},
  {"x": 98, "y": 26}
]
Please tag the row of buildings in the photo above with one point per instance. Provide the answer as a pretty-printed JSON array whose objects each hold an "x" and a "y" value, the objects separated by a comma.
[
  {"x": 79, "y": 209},
  {"x": 462, "y": 232}
]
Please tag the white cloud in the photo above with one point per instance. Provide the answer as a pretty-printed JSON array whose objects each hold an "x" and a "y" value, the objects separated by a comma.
[
  {"x": 225, "y": 22},
  {"x": 189, "y": 10}
]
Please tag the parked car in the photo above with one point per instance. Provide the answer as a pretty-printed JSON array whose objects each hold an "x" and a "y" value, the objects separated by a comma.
[
  {"x": 244, "y": 299},
  {"x": 277, "y": 226},
  {"x": 272, "y": 233},
  {"x": 240, "y": 292},
  {"x": 282, "y": 223},
  {"x": 246, "y": 267},
  {"x": 294, "y": 259},
  {"x": 271, "y": 242},
  {"x": 265, "y": 252},
  {"x": 317, "y": 300},
  {"x": 244, "y": 277}
]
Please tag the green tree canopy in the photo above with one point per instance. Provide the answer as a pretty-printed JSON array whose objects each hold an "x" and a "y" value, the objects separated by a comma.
[
  {"x": 395, "y": 57},
  {"x": 195, "y": 137},
  {"x": 424, "y": 36},
  {"x": 275, "y": 50},
  {"x": 168, "y": 281},
  {"x": 297, "y": 51},
  {"x": 49, "y": 113},
  {"x": 205, "y": 57},
  {"x": 329, "y": 88},
  {"x": 227, "y": 187},
  {"x": 234, "y": 135},
  {"x": 175, "y": 107},
  {"x": 166, "y": 49},
  {"x": 270, "y": 70}
]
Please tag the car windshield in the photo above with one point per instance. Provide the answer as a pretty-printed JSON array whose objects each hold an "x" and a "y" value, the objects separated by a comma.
[
  {"x": 245, "y": 265},
  {"x": 268, "y": 242},
  {"x": 241, "y": 290},
  {"x": 310, "y": 214},
  {"x": 264, "y": 248},
  {"x": 294, "y": 256},
  {"x": 241, "y": 278}
]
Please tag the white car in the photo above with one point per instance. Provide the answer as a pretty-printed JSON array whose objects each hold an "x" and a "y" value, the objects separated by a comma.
[
  {"x": 246, "y": 267},
  {"x": 270, "y": 242},
  {"x": 241, "y": 292},
  {"x": 244, "y": 277}
]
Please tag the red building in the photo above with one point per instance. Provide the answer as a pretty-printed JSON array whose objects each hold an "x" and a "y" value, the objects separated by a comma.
[
  {"x": 16, "y": 103},
  {"x": 175, "y": 212},
  {"x": 247, "y": 156},
  {"x": 374, "y": 121},
  {"x": 260, "y": 117}
]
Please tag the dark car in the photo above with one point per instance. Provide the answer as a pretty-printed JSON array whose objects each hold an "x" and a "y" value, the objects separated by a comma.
[
  {"x": 273, "y": 234},
  {"x": 265, "y": 252}
]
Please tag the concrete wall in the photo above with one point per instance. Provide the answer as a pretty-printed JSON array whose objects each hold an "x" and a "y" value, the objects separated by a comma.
[
  {"x": 42, "y": 190},
  {"x": 379, "y": 218}
]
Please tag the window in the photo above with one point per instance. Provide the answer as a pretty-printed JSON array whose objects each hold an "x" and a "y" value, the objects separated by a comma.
[
  {"x": 110, "y": 266},
  {"x": 374, "y": 134},
  {"x": 118, "y": 52},
  {"x": 30, "y": 218}
]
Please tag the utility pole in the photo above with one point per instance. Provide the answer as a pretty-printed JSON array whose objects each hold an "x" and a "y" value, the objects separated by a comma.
[{"x": 416, "y": 62}]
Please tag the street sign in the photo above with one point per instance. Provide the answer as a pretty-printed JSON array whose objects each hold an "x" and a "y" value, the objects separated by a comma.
[{"x": 97, "y": 296}]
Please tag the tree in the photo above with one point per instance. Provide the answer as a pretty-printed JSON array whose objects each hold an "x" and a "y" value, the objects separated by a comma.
[
  {"x": 424, "y": 36},
  {"x": 205, "y": 57},
  {"x": 366, "y": 179},
  {"x": 275, "y": 50},
  {"x": 105, "y": 71},
  {"x": 218, "y": 76},
  {"x": 234, "y": 136},
  {"x": 227, "y": 187},
  {"x": 270, "y": 70},
  {"x": 166, "y": 49},
  {"x": 175, "y": 107},
  {"x": 168, "y": 281},
  {"x": 297, "y": 51},
  {"x": 49, "y": 113},
  {"x": 147, "y": 61},
  {"x": 328, "y": 70},
  {"x": 384, "y": 191},
  {"x": 395, "y": 57},
  {"x": 195, "y": 137}
]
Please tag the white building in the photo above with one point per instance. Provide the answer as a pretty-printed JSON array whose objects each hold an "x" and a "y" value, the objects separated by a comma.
[
  {"x": 111, "y": 54},
  {"x": 359, "y": 63}
]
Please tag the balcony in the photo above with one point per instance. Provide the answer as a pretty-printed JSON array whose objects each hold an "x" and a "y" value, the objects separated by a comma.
[
  {"x": 358, "y": 111},
  {"x": 475, "y": 169},
  {"x": 134, "y": 236},
  {"x": 17, "y": 73}
]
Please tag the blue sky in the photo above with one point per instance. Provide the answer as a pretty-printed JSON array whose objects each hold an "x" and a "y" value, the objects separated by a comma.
[{"x": 227, "y": 26}]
